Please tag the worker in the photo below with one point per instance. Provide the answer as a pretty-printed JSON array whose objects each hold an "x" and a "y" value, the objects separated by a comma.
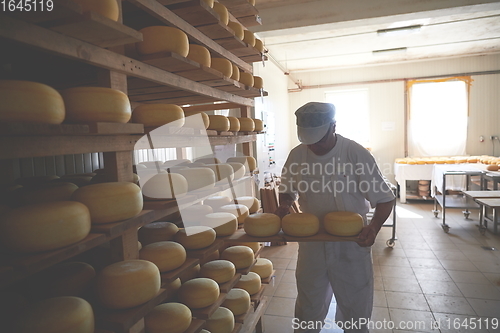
[{"x": 328, "y": 172}]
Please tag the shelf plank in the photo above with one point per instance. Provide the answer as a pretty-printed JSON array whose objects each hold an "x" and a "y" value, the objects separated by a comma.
[
  {"x": 207, "y": 312},
  {"x": 169, "y": 277},
  {"x": 239, "y": 8},
  {"x": 117, "y": 228},
  {"x": 269, "y": 279},
  {"x": 241, "y": 318},
  {"x": 180, "y": 141},
  {"x": 255, "y": 298},
  {"x": 201, "y": 254},
  {"x": 62, "y": 9},
  {"x": 226, "y": 287},
  {"x": 231, "y": 43},
  {"x": 195, "y": 12},
  {"x": 170, "y": 61},
  {"x": 196, "y": 326},
  {"x": 250, "y": 21},
  {"x": 99, "y": 128},
  {"x": 246, "y": 270}
]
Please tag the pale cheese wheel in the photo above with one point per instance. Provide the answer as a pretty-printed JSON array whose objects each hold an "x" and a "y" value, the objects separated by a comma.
[
  {"x": 158, "y": 114},
  {"x": 166, "y": 255},
  {"x": 262, "y": 225},
  {"x": 222, "y": 11},
  {"x": 57, "y": 315},
  {"x": 258, "y": 82},
  {"x": 236, "y": 73},
  {"x": 240, "y": 211},
  {"x": 158, "y": 39},
  {"x": 251, "y": 282},
  {"x": 248, "y": 161},
  {"x": 198, "y": 178},
  {"x": 259, "y": 45},
  {"x": 199, "y": 293},
  {"x": 221, "y": 271},
  {"x": 246, "y": 124},
  {"x": 234, "y": 124},
  {"x": 249, "y": 38},
  {"x": 210, "y": 3},
  {"x": 343, "y": 223},
  {"x": 239, "y": 169},
  {"x": 24, "y": 101},
  {"x": 222, "y": 321},
  {"x": 197, "y": 120},
  {"x": 219, "y": 123},
  {"x": 217, "y": 201},
  {"x": 157, "y": 232},
  {"x": 238, "y": 301},
  {"x": 300, "y": 224},
  {"x": 49, "y": 192},
  {"x": 255, "y": 246},
  {"x": 222, "y": 65},
  {"x": 259, "y": 125},
  {"x": 107, "y": 8},
  {"x": 246, "y": 79},
  {"x": 165, "y": 186},
  {"x": 196, "y": 237},
  {"x": 263, "y": 267},
  {"x": 223, "y": 171},
  {"x": 237, "y": 28},
  {"x": 110, "y": 202},
  {"x": 96, "y": 104},
  {"x": 128, "y": 283},
  {"x": 199, "y": 54},
  {"x": 44, "y": 227},
  {"x": 208, "y": 160},
  {"x": 224, "y": 224},
  {"x": 249, "y": 201},
  {"x": 168, "y": 318},
  {"x": 241, "y": 256},
  {"x": 195, "y": 213}
]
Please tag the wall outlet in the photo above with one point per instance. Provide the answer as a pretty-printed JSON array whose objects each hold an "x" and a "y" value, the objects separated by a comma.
[{"x": 494, "y": 137}]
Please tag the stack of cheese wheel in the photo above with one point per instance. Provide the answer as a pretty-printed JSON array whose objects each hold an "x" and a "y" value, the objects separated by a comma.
[
  {"x": 222, "y": 65},
  {"x": 238, "y": 301},
  {"x": 249, "y": 161},
  {"x": 157, "y": 232},
  {"x": 219, "y": 123},
  {"x": 110, "y": 202},
  {"x": 246, "y": 124},
  {"x": 165, "y": 185},
  {"x": 24, "y": 101},
  {"x": 240, "y": 256},
  {"x": 258, "y": 82},
  {"x": 234, "y": 124},
  {"x": 196, "y": 120},
  {"x": 300, "y": 224},
  {"x": 249, "y": 38},
  {"x": 246, "y": 79},
  {"x": 158, "y": 114},
  {"x": 252, "y": 203},
  {"x": 157, "y": 39},
  {"x": 221, "y": 271},
  {"x": 195, "y": 214},
  {"x": 236, "y": 73},
  {"x": 216, "y": 202},
  {"x": 58, "y": 314},
  {"x": 198, "y": 178},
  {"x": 44, "y": 227},
  {"x": 107, "y": 8},
  {"x": 239, "y": 169},
  {"x": 240, "y": 211},
  {"x": 199, "y": 54},
  {"x": 237, "y": 28},
  {"x": 343, "y": 223},
  {"x": 222, "y": 321},
  {"x": 199, "y": 293},
  {"x": 251, "y": 282},
  {"x": 196, "y": 237},
  {"x": 95, "y": 104},
  {"x": 168, "y": 317},
  {"x": 128, "y": 283},
  {"x": 262, "y": 225},
  {"x": 263, "y": 267},
  {"x": 49, "y": 192},
  {"x": 259, "y": 125},
  {"x": 224, "y": 224},
  {"x": 166, "y": 255},
  {"x": 222, "y": 11}
]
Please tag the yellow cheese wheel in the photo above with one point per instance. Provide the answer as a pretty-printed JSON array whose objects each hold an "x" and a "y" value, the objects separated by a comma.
[
  {"x": 249, "y": 201},
  {"x": 196, "y": 237},
  {"x": 33, "y": 102},
  {"x": 238, "y": 301},
  {"x": 258, "y": 82},
  {"x": 221, "y": 271},
  {"x": 94, "y": 104},
  {"x": 110, "y": 202},
  {"x": 222, "y": 65},
  {"x": 255, "y": 246},
  {"x": 44, "y": 227},
  {"x": 240, "y": 211},
  {"x": 199, "y": 54},
  {"x": 236, "y": 73},
  {"x": 241, "y": 256},
  {"x": 198, "y": 120},
  {"x": 219, "y": 123},
  {"x": 166, "y": 255},
  {"x": 221, "y": 10},
  {"x": 224, "y": 224},
  {"x": 234, "y": 124},
  {"x": 57, "y": 315},
  {"x": 198, "y": 178},
  {"x": 492, "y": 167},
  {"x": 251, "y": 282},
  {"x": 49, "y": 192},
  {"x": 300, "y": 224},
  {"x": 222, "y": 321},
  {"x": 195, "y": 214},
  {"x": 199, "y": 293},
  {"x": 107, "y": 8},
  {"x": 217, "y": 201},
  {"x": 239, "y": 169},
  {"x": 157, "y": 232},
  {"x": 223, "y": 171},
  {"x": 237, "y": 28},
  {"x": 262, "y": 225},
  {"x": 246, "y": 79},
  {"x": 168, "y": 318},
  {"x": 157, "y": 114},
  {"x": 210, "y": 3},
  {"x": 259, "y": 45},
  {"x": 246, "y": 124},
  {"x": 249, "y": 38},
  {"x": 343, "y": 223},
  {"x": 208, "y": 160},
  {"x": 165, "y": 186},
  {"x": 128, "y": 283},
  {"x": 263, "y": 267},
  {"x": 259, "y": 125},
  {"x": 249, "y": 161},
  {"x": 158, "y": 39},
  {"x": 172, "y": 288}
]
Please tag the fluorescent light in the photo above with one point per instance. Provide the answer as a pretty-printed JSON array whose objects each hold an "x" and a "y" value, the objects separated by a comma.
[
  {"x": 389, "y": 51},
  {"x": 400, "y": 30}
]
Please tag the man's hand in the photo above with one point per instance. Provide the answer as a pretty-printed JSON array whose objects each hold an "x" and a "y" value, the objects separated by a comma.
[
  {"x": 367, "y": 236},
  {"x": 286, "y": 202},
  {"x": 282, "y": 211}
]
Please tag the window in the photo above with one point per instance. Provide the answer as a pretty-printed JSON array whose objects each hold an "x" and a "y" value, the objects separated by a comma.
[{"x": 352, "y": 114}]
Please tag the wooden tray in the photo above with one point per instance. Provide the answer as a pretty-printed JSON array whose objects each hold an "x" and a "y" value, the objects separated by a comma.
[
  {"x": 225, "y": 287},
  {"x": 205, "y": 313},
  {"x": 169, "y": 277}
]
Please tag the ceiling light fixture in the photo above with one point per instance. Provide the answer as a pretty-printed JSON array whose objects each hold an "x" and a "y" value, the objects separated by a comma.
[
  {"x": 399, "y": 31},
  {"x": 390, "y": 51}
]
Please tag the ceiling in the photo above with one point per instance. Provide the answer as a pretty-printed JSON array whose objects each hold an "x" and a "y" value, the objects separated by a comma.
[{"x": 308, "y": 35}]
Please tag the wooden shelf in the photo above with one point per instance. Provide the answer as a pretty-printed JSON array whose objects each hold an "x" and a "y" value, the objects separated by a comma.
[
  {"x": 207, "y": 312},
  {"x": 169, "y": 277},
  {"x": 269, "y": 279},
  {"x": 226, "y": 287},
  {"x": 201, "y": 254},
  {"x": 241, "y": 318},
  {"x": 196, "y": 326},
  {"x": 255, "y": 298},
  {"x": 101, "y": 128}
]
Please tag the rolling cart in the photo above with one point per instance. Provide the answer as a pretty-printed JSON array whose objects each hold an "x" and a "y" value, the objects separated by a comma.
[{"x": 391, "y": 242}]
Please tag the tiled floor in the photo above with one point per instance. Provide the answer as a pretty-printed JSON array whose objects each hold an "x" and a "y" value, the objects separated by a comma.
[{"x": 429, "y": 276}]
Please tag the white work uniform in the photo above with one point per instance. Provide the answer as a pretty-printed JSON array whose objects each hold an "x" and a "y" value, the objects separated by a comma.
[{"x": 345, "y": 179}]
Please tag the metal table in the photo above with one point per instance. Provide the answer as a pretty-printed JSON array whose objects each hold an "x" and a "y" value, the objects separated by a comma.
[
  {"x": 474, "y": 195},
  {"x": 494, "y": 204}
]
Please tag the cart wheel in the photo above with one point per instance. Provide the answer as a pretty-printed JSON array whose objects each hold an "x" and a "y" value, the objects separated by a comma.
[
  {"x": 466, "y": 215},
  {"x": 390, "y": 243},
  {"x": 446, "y": 228},
  {"x": 436, "y": 212}
]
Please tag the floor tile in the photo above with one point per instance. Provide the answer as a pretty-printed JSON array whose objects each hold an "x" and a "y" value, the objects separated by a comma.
[
  {"x": 292, "y": 265},
  {"x": 468, "y": 277},
  {"x": 412, "y": 253},
  {"x": 286, "y": 290},
  {"x": 379, "y": 298},
  {"x": 289, "y": 276},
  {"x": 432, "y": 274},
  {"x": 449, "y": 304},
  {"x": 453, "y": 323},
  {"x": 485, "y": 308},
  {"x": 450, "y": 255},
  {"x": 280, "y": 306},
  {"x": 398, "y": 272},
  {"x": 393, "y": 261},
  {"x": 410, "y": 301},
  {"x": 409, "y": 285},
  {"x": 425, "y": 263},
  {"x": 459, "y": 265},
  {"x": 280, "y": 263},
  {"x": 411, "y": 320},
  {"x": 277, "y": 324},
  {"x": 440, "y": 288},
  {"x": 482, "y": 291}
]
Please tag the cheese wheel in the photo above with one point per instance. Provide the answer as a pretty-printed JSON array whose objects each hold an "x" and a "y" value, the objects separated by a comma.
[
  {"x": 238, "y": 301},
  {"x": 223, "y": 171},
  {"x": 197, "y": 120},
  {"x": 262, "y": 225},
  {"x": 259, "y": 45},
  {"x": 234, "y": 124},
  {"x": 199, "y": 54},
  {"x": 249, "y": 201},
  {"x": 251, "y": 282},
  {"x": 259, "y": 125},
  {"x": 156, "y": 39},
  {"x": 240, "y": 211},
  {"x": 492, "y": 167},
  {"x": 190, "y": 273},
  {"x": 49, "y": 192},
  {"x": 222, "y": 321},
  {"x": 107, "y": 8},
  {"x": 168, "y": 318},
  {"x": 239, "y": 169},
  {"x": 110, "y": 202},
  {"x": 166, "y": 255},
  {"x": 157, "y": 114},
  {"x": 219, "y": 123},
  {"x": 195, "y": 214},
  {"x": 252, "y": 2},
  {"x": 221, "y": 271},
  {"x": 241, "y": 256},
  {"x": 196, "y": 237},
  {"x": 248, "y": 161},
  {"x": 222, "y": 65},
  {"x": 246, "y": 124},
  {"x": 255, "y": 246},
  {"x": 217, "y": 201},
  {"x": 237, "y": 28},
  {"x": 32, "y": 102},
  {"x": 221, "y": 10},
  {"x": 172, "y": 288},
  {"x": 224, "y": 224},
  {"x": 95, "y": 104},
  {"x": 157, "y": 232},
  {"x": 44, "y": 227},
  {"x": 258, "y": 82},
  {"x": 57, "y": 315},
  {"x": 343, "y": 223},
  {"x": 210, "y": 3},
  {"x": 208, "y": 160},
  {"x": 246, "y": 79},
  {"x": 249, "y": 38},
  {"x": 263, "y": 267},
  {"x": 165, "y": 186},
  {"x": 300, "y": 224},
  {"x": 236, "y": 73},
  {"x": 198, "y": 178},
  {"x": 199, "y": 293},
  {"x": 139, "y": 246},
  {"x": 128, "y": 283}
]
